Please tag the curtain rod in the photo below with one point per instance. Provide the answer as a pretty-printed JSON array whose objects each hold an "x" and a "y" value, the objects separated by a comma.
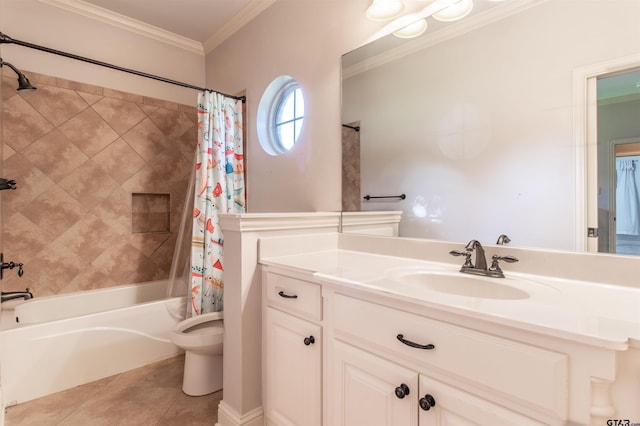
[{"x": 6, "y": 39}]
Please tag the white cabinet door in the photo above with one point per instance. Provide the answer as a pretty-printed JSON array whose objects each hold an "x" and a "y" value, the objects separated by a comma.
[
  {"x": 293, "y": 390},
  {"x": 449, "y": 406},
  {"x": 366, "y": 390}
]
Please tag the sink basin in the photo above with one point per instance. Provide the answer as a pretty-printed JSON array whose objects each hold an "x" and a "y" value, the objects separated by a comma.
[{"x": 460, "y": 284}]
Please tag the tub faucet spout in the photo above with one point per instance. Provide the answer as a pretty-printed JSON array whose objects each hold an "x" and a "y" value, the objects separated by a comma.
[{"x": 10, "y": 295}]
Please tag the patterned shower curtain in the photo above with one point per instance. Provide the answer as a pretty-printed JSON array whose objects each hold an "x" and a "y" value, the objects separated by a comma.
[{"x": 219, "y": 188}]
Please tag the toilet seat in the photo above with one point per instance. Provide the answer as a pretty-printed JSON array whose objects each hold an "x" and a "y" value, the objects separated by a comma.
[
  {"x": 198, "y": 319},
  {"x": 200, "y": 332}
]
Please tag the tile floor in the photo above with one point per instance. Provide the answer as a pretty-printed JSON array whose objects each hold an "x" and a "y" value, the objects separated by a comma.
[{"x": 148, "y": 396}]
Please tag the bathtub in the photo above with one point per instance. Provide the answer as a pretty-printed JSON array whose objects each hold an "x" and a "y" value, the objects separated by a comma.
[{"x": 49, "y": 344}]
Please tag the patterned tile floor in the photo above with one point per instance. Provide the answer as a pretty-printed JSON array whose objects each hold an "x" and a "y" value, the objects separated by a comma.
[{"x": 147, "y": 396}]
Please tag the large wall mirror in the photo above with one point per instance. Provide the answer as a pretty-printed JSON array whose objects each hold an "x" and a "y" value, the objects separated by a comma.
[{"x": 474, "y": 120}]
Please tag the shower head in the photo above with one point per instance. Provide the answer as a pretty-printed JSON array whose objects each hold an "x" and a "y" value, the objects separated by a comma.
[{"x": 23, "y": 81}]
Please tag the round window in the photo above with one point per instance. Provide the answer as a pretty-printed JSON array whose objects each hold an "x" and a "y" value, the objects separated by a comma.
[{"x": 280, "y": 115}]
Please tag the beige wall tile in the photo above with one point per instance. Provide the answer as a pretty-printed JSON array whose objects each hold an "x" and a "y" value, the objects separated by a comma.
[
  {"x": 146, "y": 139},
  {"x": 115, "y": 211},
  {"x": 171, "y": 123},
  {"x": 54, "y": 211},
  {"x": 56, "y": 104},
  {"x": 88, "y": 184},
  {"x": 119, "y": 161},
  {"x": 70, "y": 221},
  {"x": 89, "y": 132},
  {"x": 30, "y": 181},
  {"x": 21, "y": 237},
  {"x": 53, "y": 268},
  {"x": 55, "y": 155},
  {"x": 119, "y": 114},
  {"x": 21, "y": 123}
]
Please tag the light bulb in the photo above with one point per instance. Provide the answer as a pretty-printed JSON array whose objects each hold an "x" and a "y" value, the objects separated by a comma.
[
  {"x": 454, "y": 12},
  {"x": 412, "y": 30},
  {"x": 381, "y": 10}
]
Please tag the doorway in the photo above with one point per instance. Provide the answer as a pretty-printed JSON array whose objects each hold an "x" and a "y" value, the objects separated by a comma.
[{"x": 618, "y": 155}]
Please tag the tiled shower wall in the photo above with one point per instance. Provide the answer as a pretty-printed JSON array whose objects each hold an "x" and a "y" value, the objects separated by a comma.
[
  {"x": 79, "y": 153},
  {"x": 351, "y": 169}
]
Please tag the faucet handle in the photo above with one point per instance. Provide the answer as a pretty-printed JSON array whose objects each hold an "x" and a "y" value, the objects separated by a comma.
[
  {"x": 466, "y": 254},
  {"x": 495, "y": 261}
]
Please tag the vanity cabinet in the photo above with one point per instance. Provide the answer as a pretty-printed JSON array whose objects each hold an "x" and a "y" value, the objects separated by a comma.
[
  {"x": 292, "y": 351},
  {"x": 380, "y": 358},
  {"x": 390, "y": 367}
]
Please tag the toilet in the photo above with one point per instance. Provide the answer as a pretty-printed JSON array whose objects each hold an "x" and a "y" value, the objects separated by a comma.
[{"x": 201, "y": 338}]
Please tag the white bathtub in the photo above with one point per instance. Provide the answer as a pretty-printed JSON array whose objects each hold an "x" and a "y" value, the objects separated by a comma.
[{"x": 64, "y": 341}]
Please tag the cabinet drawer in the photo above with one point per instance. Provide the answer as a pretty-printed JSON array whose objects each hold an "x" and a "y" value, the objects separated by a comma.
[
  {"x": 534, "y": 376},
  {"x": 294, "y": 295}
]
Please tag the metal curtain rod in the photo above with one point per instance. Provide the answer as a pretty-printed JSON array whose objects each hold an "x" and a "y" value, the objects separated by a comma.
[
  {"x": 356, "y": 128},
  {"x": 6, "y": 39}
]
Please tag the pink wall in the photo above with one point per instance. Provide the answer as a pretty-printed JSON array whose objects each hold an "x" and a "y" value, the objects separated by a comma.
[
  {"x": 37, "y": 22},
  {"x": 303, "y": 39}
]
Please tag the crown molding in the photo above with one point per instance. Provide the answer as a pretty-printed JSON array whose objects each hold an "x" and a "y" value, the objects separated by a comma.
[
  {"x": 464, "y": 26},
  {"x": 106, "y": 16},
  {"x": 246, "y": 14}
]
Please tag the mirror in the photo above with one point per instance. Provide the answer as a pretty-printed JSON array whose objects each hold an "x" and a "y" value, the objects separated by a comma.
[{"x": 473, "y": 120}]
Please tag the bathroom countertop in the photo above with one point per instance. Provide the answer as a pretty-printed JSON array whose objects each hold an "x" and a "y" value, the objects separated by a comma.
[{"x": 587, "y": 312}]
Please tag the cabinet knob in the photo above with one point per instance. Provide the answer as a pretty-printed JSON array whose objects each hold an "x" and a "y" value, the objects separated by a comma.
[
  {"x": 309, "y": 340},
  {"x": 427, "y": 402},
  {"x": 402, "y": 391}
]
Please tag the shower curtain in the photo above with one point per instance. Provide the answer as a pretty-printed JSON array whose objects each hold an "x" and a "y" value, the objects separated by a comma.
[
  {"x": 627, "y": 198},
  {"x": 219, "y": 188}
]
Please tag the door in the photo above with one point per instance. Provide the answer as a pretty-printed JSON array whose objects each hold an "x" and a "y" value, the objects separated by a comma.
[
  {"x": 293, "y": 350},
  {"x": 618, "y": 134},
  {"x": 442, "y": 405},
  {"x": 365, "y": 389},
  {"x": 623, "y": 227},
  {"x": 601, "y": 91}
]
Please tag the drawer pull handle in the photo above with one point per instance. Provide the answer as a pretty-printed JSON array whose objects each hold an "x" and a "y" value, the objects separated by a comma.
[
  {"x": 413, "y": 344},
  {"x": 287, "y": 296},
  {"x": 309, "y": 340},
  {"x": 402, "y": 391},
  {"x": 427, "y": 402}
]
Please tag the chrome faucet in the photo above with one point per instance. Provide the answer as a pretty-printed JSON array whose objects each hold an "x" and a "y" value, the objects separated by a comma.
[
  {"x": 481, "y": 260},
  {"x": 10, "y": 295},
  {"x": 503, "y": 239},
  {"x": 480, "y": 267}
]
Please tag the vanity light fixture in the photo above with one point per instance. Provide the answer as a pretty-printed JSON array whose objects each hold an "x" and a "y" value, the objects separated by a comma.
[
  {"x": 415, "y": 24},
  {"x": 412, "y": 30},
  {"x": 454, "y": 12},
  {"x": 381, "y": 10}
]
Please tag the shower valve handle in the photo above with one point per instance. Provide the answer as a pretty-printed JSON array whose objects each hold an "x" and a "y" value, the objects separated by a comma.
[
  {"x": 7, "y": 184},
  {"x": 10, "y": 265}
]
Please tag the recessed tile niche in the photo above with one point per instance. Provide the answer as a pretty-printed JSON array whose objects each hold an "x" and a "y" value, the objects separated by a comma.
[{"x": 150, "y": 213}]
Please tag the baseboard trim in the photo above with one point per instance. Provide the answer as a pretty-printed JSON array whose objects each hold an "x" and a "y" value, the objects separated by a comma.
[{"x": 228, "y": 417}]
